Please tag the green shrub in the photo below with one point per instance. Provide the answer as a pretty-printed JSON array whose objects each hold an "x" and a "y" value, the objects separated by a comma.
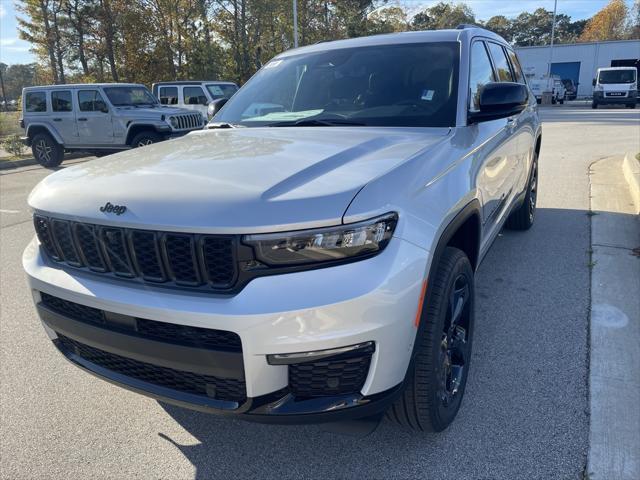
[{"x": 13, "y": 145}]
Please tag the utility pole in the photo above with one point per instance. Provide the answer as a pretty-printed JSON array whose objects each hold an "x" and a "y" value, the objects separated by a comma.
[
  {"x": 4, "y": 97},
  {"x": 553, "y": 32},
  {"x": 295, "y": 23}
]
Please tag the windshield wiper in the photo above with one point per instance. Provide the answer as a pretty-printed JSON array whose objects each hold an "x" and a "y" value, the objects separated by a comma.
[
  {"x": 213, "y": 125},
  {"x": 319, "y": 122}
]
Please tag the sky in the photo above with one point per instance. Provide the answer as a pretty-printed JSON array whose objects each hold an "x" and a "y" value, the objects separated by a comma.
[{"x": 14, "y": 50}]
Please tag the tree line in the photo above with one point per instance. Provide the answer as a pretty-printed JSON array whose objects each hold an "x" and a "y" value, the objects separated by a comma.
[{"x": 151, "y": 40}]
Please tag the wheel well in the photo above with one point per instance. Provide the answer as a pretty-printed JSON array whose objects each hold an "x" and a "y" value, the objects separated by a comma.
[
  {"x": 136, "y": 129},
  {"x": 538, "y": 144},
  {"x": 467, "y": 238},
  {"x": 35, "y": 130}
]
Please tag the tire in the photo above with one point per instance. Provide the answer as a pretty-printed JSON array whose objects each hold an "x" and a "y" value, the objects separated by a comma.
[
  {"x": 553, "y": 100},
  {"x": 145, "y": 138},
  {"x": 46, "y": 150},
  {"x": 562, "y": 102},
  {"x": 631, "y": 105},
  {"x": 524, "y": 216},
  {"x": 436, "y": 378},
  {"x": 594, "y": 105}
]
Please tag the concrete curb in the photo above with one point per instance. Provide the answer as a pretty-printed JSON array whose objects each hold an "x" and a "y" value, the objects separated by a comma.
[
  {"x": 10, "y": 164},
  {"x": 631, "y": 169},
  {"x": 614, "y": 357}
]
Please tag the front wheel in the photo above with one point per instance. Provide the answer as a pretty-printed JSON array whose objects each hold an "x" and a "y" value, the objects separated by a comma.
[
  {"x": 436, "y": 379},
  {"x": 562, "y": 102},
  {"x": 145, "y": 138},
  {"x": 631, "y": 105},
  {"x": 523, "y": 217},
  {"x": 594, "y": 105},
  {"x": 46, "y": 150}
]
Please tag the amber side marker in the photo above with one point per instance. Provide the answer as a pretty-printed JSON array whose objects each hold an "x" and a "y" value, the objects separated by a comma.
[{"x": 420, "y": 304}]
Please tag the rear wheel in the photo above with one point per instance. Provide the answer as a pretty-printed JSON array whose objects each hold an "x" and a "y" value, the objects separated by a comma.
[
  {"x": 46, "y": 150},
  {"x": 145, "y": 138},
  {"x": 436, "y": 379},
  {"x": 523, "y": 217},
  {"x": 594, "y": 105}
]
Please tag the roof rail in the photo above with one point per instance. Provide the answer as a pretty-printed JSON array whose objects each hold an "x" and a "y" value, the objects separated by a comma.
[{"x": 462, "y": 26}]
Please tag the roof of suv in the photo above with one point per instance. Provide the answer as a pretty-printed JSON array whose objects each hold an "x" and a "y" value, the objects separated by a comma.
[
  {"x": 78, "y": 85},
  {"x": 463, "y": 34},
  {"x": 194, "y": 82}
]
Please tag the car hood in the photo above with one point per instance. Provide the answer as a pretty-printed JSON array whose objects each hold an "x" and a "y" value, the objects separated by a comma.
[{"x": 233, "y": 180}]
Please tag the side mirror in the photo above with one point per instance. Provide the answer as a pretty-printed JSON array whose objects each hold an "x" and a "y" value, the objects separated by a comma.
[
  {"x": 593, "y": 82},
  {"x": 215, "y": 106},
  {"x": 500, "y": 100}
]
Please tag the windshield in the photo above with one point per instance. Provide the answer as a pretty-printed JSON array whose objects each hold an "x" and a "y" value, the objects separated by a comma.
[
  {"x": 389, "y": 85},
  {"x": 221, "y": 90},
  {"x": 129, "y": 96},
  {"x": 617, "y": 76}
]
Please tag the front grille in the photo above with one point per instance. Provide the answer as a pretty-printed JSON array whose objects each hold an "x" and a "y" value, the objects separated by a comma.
[
  {"x": 189, "y": 121},
  {"x": 188, "y": 382},
  {"x": 151, "y": 329},
  {"x": 184, "y": 260},
  {"x": 337, "y": 376}
]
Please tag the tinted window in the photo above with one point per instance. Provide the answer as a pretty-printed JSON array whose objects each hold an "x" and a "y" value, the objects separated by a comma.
[
  {"x": 168, "y": 95},
  {"x": 35, "y": 102},
  {"x": 515, "y": 64},
  {"x": 91, "y": 101},
  {"x": 617, "y": 76},
  {"x": 501, "y": 62},
  {"x": 61, "y": 101},
  {"x": 130, "y": 96},
  {"x": 221, "y": 91},
  {"x": 481, "y": 73},
  {"x": 194, "y": 96},
  {"x": 386, "y": 85}
]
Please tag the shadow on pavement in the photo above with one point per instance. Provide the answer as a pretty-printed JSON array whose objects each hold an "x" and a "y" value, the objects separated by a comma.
[{"x": 525, "y": 410}]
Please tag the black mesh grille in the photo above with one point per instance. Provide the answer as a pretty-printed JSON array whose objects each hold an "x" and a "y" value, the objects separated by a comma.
[
  {"x": 219, "y": 262},
  {"x": 188, "y": 382},
  {"x": 165, "y": 332},
  {"x": 185, "y": 260},
  {"x": 89, "y": 246},
  {"x": 331, "y": 377},
  {"x": 62, "y": 234},
  {"x": 147, "y": 256},
  {"x": 71, "y": 309},
  {"x": 43, "y": 230},
  {"x": 182, "y": 259}
]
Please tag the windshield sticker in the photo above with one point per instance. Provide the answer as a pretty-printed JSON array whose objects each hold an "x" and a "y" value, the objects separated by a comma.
[
  {"x": 427, "y": 95},
  {"x": 215, "y": 90}
]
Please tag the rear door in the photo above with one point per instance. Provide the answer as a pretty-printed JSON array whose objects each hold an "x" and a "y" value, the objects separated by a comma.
[
  {"x": 93, "y": 118},
  {"x": 63, "y": 116},
  {"x": 168, "y": 94}
]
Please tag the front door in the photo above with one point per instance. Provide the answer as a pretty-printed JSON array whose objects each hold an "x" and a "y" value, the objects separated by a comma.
[{"x": 94, "y": 119}]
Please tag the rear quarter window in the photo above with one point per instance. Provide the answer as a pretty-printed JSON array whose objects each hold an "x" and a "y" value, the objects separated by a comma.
[{"x": 35, "y": 102}]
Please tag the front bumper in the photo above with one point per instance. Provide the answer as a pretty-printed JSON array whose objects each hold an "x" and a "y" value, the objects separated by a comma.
[
  {"x": 628, "y": 97},
  {"x": 371, "y": 301}
]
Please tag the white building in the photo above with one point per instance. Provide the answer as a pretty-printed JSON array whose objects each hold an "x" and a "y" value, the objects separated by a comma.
[{"x": 579, "y": 61}]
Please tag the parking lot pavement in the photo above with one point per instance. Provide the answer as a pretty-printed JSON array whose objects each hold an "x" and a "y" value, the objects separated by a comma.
[{"x": 524, "y": 414}]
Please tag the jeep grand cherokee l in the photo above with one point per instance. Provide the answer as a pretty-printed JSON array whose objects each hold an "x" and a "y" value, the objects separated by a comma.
[{"x": 310, "y": 257}]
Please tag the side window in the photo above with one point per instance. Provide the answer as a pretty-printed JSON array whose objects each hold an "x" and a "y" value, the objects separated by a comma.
[
  {"x": 61, "y": 101},
  {"x": 91, "y": 101},
  {"x": 35, "y": 102},
  {"x": 515, "y": 65},
  {"x": 194, "y": 96},
  {"x": 480, "y": 74},
  {"x": 168, "y": 95},
  {"x": 501, "y": 63}
]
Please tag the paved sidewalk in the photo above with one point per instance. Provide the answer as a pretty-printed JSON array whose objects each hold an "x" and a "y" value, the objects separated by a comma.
[{"x": 614, "y": 437}]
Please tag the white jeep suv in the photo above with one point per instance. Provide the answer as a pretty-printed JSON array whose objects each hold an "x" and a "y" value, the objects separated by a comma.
[{"x": 312, "y": 262}]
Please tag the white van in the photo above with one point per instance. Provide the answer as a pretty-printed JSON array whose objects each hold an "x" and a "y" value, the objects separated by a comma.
[
  {"x": 551, "y": 84},
  {"x": 193, "y": 95},
  {"x": 615, "y": 85}
]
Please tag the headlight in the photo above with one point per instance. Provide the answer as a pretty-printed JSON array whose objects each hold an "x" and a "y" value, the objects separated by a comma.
[
  {"x": 173, "y": 121},
  {"x": 598, "y": 88},
  {"x": 305, "y": 247},
  {"x": 210, "y": 110}
]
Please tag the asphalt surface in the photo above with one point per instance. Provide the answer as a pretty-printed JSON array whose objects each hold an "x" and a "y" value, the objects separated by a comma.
[{"x": 525, "y": 413}]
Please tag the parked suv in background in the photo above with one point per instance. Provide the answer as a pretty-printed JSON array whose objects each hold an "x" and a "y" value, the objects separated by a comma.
[
  {"x": 615, "y": 85},
  {"x": 316, "y": 264},
  {"x": 99, "y": 118},
  {"x": 194, "y": 95}
]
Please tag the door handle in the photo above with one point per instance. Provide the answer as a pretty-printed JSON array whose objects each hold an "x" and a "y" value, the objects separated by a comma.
[
  {"x": 83, "y": 119},
  {"x": 57, "y": 119}
]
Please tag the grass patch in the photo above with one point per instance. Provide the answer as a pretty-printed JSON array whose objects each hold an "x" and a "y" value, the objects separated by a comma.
[{"x": 10, "y": 124}]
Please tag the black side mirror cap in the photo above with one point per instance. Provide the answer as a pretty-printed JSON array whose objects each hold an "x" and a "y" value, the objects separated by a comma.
[
  {"x": 500, "y": 100},
  {"x": 216, "y": 106}
]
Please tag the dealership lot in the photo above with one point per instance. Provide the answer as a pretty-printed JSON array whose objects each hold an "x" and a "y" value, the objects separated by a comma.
[{"x": 525, "y": 414}]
